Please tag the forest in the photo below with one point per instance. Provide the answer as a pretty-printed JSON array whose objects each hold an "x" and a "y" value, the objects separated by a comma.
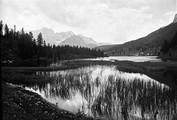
[
  {"x": 169, "y": 44},
  {"x": 19, "y": 48},
  {"x": 169, "y": 49}
]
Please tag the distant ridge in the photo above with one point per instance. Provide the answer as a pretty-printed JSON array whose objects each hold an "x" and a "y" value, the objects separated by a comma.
[
  {"x": 175, "y": 19},
  {"x": 106, "y": 47},
  {"x": 66, "y": 38},
  {"x": 52, "y": 37},
  {"x": 148, "y": 45}
]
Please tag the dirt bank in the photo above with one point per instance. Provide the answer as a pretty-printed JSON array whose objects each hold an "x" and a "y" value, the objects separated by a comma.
[{"x": 20, "y": 104}]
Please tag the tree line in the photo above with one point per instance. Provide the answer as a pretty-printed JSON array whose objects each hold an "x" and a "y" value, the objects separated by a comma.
[
  {"x": 167, "y": 44},
  {"x": 22, "y": 46}
]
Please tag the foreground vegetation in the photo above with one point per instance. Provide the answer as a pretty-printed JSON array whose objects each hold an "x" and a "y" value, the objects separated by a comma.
[{"x": 17, "y": 99}]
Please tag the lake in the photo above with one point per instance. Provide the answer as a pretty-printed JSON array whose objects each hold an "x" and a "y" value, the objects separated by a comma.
[
  {"x": 130, "y": 58},
  {"x": 106, "y": 92},
  {"x": 113, "y": 58}
]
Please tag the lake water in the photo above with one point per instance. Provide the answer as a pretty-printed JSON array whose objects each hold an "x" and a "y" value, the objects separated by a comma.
[
  {"x": 130, "y": 58},
  {"x": 104, "y": 91},
  {"x": 113, "y": 58}
]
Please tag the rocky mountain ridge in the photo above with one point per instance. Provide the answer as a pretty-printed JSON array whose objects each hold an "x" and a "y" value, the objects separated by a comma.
[{"x": 66, "y": 38}]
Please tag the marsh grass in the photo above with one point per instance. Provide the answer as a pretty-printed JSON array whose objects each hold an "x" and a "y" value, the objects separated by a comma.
[
  {"x": 24, "y": 78},
  {"x": 162, "y": 72},
  {"x": 115, "y": 97}
]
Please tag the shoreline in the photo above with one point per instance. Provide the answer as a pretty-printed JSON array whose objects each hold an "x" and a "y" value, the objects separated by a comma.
[
  {"x": 163, "y": 72},
  {"x": 21, "y": 104}
]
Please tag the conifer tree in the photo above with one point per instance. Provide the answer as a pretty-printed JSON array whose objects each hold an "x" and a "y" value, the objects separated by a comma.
[{"x": 1, "y": 28}]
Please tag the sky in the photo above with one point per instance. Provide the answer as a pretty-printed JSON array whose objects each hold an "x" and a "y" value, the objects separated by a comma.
[{"x": 113, "y": 21}]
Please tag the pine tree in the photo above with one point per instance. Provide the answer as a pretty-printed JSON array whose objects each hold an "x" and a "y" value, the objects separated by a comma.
[
  {"x": 39, "y": 39},
  {"x": 6, "y": 30},
  {"x": 1, "y": 28}
]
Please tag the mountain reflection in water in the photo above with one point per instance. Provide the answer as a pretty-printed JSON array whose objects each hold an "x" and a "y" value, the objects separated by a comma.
[{"x": 104, "y": 91}]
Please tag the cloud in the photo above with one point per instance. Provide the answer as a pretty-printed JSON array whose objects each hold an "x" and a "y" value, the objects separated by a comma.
[{"x": 114, "y": 21}]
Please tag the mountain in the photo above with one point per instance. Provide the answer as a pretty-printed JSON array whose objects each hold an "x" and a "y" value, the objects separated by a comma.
[
  {"x": 88, "y": 40},
  {"x": 106, "y": 47},
  {"x": 148, "y": 45},
  {"x": 66, "y": 38},
  {"x": 63, "y": 35},
  {"x": 79, "y": 40},
  {"x": 175, "y": 19},
  {"x": 51, "y": 37},
  {"x": 104, "y": 43},
  {"x": 48, "y": 34}
]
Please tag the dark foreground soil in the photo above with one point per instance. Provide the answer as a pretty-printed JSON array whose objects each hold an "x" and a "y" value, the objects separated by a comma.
[{"x": 20, "y": 104}]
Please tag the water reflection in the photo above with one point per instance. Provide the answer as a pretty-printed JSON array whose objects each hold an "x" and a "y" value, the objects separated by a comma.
[
  {"x": 129, "y": 58},
  {"x": 103, "y": 91}
]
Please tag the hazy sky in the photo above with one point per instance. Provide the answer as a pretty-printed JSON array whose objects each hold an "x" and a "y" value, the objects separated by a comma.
[{"x": 115, "y": 21}]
